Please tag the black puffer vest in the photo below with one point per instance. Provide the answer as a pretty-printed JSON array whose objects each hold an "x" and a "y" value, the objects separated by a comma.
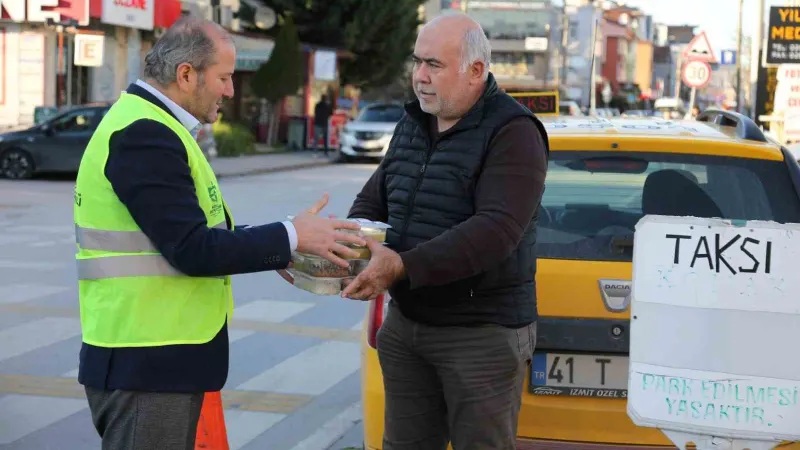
[{"x": 430, "y": 188}]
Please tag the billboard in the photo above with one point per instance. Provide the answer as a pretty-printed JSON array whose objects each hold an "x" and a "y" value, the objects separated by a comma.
[{"x": 783, "y": 35}]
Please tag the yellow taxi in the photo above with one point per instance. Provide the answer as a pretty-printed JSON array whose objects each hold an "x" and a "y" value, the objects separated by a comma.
[{"x": 604, "y": 175}]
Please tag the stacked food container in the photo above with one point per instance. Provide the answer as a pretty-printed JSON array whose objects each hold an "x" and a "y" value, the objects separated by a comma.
[{"x": 322, "y": 277}]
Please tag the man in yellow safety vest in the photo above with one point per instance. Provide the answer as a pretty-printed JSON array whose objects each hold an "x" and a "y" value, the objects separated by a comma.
[{"x": 157, "y": 245}]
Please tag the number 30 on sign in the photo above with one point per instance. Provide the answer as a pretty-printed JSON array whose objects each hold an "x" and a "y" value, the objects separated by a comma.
[{"x": 696, "y": 74}]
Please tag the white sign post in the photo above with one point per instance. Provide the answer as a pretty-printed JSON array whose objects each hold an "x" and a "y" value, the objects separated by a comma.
[
  {"x": 696, "y": 74},
  {"x": 715, "y": 321},
  {"x": 696, "y": 71}
]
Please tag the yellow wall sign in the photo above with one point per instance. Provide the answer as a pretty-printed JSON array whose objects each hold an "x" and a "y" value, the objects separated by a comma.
[
  {"x": 783, "y": 39},
  {"x": 540, "y": 103}
]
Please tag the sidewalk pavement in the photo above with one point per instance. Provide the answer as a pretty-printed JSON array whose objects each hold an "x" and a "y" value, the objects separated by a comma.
[{"x": 267, "y": 163}]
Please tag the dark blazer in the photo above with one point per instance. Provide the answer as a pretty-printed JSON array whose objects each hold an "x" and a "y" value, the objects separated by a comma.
[{"x": 148, "y": 169}]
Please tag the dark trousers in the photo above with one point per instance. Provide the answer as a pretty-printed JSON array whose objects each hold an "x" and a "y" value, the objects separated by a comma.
[
  {"x": 321, "y": 131},
  {"x": 129, "y": 420},
  {"x": 452, "y": 384}
]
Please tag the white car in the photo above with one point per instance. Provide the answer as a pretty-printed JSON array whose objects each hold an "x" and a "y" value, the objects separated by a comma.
[{"x": 368, "y": 135}]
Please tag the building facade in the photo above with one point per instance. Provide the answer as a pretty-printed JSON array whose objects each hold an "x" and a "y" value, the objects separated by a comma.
[
  {"x": 524, "y": 36},
  {"x": 55, "y": 56}
]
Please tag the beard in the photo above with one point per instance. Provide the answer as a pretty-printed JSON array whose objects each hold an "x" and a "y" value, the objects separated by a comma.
[{"x": 204, "y": 106}]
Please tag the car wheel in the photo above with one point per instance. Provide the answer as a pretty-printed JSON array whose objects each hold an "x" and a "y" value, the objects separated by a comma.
[{"x": 16, "y": 164}]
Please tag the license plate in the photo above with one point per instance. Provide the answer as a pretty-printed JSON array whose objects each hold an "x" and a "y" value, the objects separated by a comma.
[
  {"x": 370, "y": 144},
  {"x": 579, "y": 375}
]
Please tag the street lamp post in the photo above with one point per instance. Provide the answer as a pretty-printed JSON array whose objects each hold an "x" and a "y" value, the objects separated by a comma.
[
  {"x": 739, "y": 95},
  {"x": 69, "y": 26}
]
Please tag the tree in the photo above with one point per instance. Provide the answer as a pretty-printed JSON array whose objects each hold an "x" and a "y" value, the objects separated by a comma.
[
  {"x": 380, "y": 33},
  {"x": 282, "y": 74}
]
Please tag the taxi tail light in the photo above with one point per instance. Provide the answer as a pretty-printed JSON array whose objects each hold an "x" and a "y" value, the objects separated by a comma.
[{"x": 377, "y": 312}]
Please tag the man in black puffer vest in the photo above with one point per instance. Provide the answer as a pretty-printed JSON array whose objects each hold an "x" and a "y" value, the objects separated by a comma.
[{"x": 460, "y": 186}]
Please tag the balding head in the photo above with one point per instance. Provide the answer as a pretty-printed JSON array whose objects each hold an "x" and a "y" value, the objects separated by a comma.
[
  {"x": 193, "y": 64},
  {"x": 474, "y": 44},
  {"x": 190, "y": 40},
  {"x": 451, "y": 59}
]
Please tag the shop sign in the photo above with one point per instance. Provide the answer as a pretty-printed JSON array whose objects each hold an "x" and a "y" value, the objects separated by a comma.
[
  {"x": 129, "y": 13},
  {"x": 89, "y": 50},
  {"x": 783, "y": 38},
  {"x": 41, "y": 10}
]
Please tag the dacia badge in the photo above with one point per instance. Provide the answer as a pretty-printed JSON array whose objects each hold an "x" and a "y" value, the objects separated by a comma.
[{"x": 616, "y": 294}]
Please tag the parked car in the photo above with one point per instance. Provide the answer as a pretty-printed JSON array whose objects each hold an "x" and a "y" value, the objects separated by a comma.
[
  {"x": 604, "y": 175},
  {"x": 368, "y": 135},
  {"x": 55, "y": 145}
]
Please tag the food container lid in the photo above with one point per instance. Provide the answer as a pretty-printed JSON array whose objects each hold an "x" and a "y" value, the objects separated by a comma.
[{"x": 365, "y": 223}]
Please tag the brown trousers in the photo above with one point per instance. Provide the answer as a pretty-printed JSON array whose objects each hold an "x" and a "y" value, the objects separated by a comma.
[{"x": 452, "y": 384}]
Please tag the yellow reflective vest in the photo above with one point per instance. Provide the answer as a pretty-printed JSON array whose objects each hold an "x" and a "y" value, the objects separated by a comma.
[{"x": 130, "y": 296}]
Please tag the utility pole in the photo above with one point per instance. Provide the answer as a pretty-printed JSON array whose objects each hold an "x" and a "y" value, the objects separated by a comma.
[
  {"x": 564, "y": 43},
  {"x": 739, "y": 95},
  {"x": 593, "y": 77},
  {"x": 755, "y": 58}
]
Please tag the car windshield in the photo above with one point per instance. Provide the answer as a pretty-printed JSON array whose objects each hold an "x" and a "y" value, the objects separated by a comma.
[
  {"x": 593, "y": 200},
  {"x": 383, "y": 113}
]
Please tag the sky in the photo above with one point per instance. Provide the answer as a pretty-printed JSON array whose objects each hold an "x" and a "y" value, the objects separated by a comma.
[{"x": 718, "y": 18}]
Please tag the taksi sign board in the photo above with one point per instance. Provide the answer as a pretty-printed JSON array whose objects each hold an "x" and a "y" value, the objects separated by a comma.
[
  {"x": 783, "y": 35},
  {"x": 696, "y": 74},
  {"x": 713, "y": 306},
  {"x": 699, "y": 49},
  {"x": 129, "y": 13}
]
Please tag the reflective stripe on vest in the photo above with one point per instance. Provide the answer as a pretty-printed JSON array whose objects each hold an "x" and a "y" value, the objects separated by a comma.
[{"x": 122, "y": 265}]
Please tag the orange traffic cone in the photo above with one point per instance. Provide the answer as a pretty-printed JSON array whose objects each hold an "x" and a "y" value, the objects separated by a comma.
[{"x": 211, "y": 434}]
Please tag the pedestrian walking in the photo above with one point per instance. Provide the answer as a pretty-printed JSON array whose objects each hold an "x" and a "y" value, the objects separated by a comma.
[
  {"x": 322, "y": 114},
  {"x": 157, "y": 244},
  {"x": 460, "y": 185}
]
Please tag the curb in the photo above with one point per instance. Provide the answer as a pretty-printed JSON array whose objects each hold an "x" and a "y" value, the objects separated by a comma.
[{"x": 267, "y": 170}]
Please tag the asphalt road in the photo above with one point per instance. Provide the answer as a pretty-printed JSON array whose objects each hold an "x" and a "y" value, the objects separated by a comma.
[{"x": 294, "y": 377}]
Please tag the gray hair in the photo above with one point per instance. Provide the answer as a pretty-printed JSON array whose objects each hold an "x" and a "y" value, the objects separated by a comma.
[
  {"x": 187, "y": 41},
  {"x": 475, "y": 47}
]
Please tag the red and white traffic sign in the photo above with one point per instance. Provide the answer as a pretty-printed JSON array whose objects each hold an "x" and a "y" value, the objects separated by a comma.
[
  {"x": 699, "y": 49},
  {"x": 696, "y": 74}
]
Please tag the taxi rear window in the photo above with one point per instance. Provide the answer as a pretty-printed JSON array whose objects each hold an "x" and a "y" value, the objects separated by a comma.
[{"x": 592, "y": 200}]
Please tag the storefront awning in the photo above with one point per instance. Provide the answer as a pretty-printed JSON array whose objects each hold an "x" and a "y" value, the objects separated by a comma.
[{"x": 251, "y": 52}]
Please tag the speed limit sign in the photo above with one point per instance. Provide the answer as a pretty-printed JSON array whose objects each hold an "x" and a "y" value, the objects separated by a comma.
[{"x": 696, "y": 74}]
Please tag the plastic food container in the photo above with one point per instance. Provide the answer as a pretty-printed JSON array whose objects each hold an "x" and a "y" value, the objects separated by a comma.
[
  {"x": 318, "y": 285},
  {"x": 375, "y": 230},
  {"x": 316, "y": 266},
  {"x": 363, "y": 253}
]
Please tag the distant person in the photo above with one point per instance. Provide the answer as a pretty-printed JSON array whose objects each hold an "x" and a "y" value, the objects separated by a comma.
[
  {"x": 322, "y": 113},
  {"x": 157, "y": 244}
]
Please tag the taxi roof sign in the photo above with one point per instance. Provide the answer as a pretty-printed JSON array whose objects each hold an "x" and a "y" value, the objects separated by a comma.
[
  {"x": 713, "y": 307},
  {"x": 699, "y": 49},
  {"x": 540, "y": 103}
]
